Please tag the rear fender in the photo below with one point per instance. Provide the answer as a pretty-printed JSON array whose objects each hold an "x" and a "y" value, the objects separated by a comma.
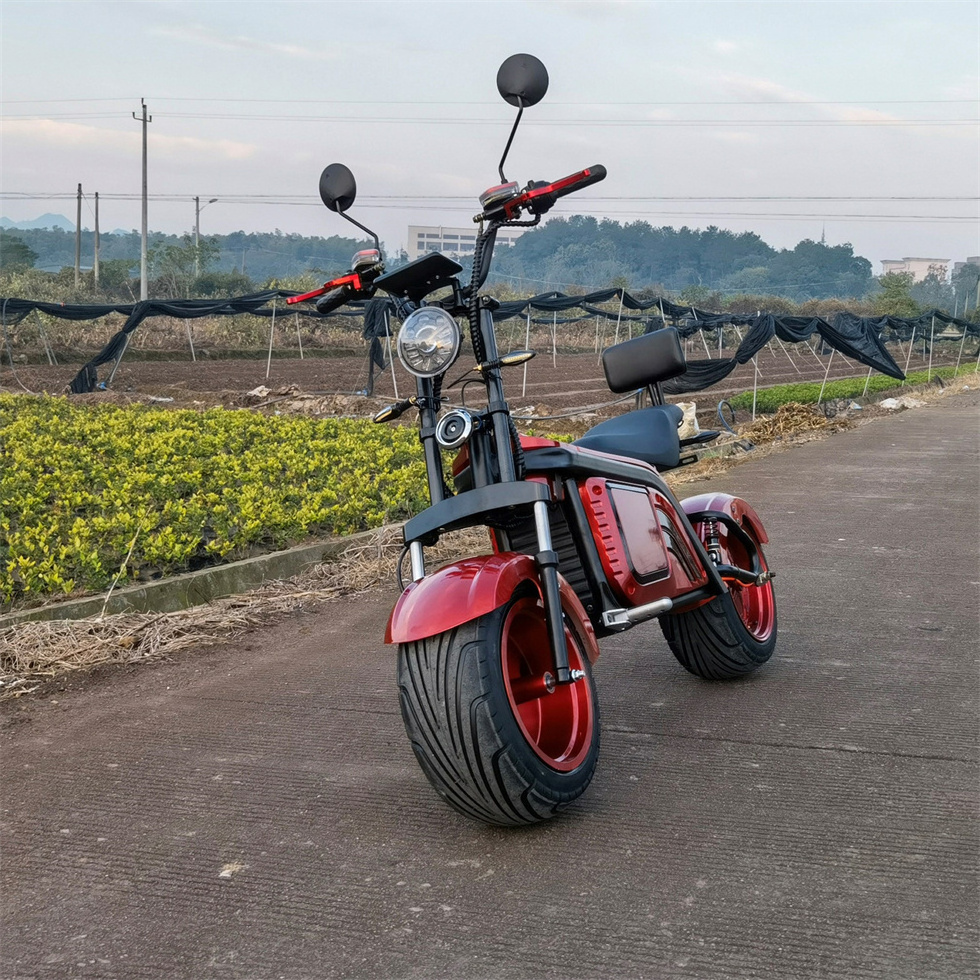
[
  {"x": 468, "y": 589},
  {"x": 736, "y": 508}
]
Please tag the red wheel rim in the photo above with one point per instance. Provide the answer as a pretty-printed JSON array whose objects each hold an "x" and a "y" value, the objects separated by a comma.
[
  {"x": 558, "y": 723},
  {"x": 755, "y": 604}
]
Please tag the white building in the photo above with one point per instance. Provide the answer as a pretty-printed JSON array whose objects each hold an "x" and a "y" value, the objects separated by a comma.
[
  {"x": 918, "y": 268},
  {"x": 457, "y": 242}
]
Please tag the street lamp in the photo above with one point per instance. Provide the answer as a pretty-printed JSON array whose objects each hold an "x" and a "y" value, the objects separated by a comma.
[{"x": 198, "y": 208}]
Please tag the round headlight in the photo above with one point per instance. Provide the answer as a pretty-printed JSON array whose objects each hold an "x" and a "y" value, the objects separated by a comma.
[{"x": 428, "y": 341}]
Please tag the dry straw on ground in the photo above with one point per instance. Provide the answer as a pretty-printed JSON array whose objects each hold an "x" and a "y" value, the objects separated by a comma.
[{"x": 33, "y": 652}]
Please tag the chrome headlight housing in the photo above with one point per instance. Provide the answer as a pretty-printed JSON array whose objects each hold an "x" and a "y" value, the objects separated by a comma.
[{"x": 428, "y": 341}]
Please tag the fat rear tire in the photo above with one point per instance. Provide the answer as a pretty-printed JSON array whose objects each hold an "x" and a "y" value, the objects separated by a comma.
[
  {"x": 488, "y": 757},
  {"x": 712, "y": 642},
  {"x": 734, "y": 633}
]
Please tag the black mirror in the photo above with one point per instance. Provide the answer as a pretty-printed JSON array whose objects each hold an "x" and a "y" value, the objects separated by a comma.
[
  {"x": 337, "y": 187},
  {"x": 522, "y": 80}
]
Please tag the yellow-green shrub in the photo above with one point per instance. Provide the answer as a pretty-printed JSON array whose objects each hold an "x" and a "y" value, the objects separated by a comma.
[{"x": 79, "y": 483}]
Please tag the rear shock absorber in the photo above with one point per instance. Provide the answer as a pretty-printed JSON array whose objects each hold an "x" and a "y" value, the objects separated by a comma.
[{"x": 712, "y": 544}]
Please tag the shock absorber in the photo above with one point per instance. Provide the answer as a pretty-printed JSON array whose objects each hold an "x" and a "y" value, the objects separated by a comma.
[{"x": 712, "y": 544}]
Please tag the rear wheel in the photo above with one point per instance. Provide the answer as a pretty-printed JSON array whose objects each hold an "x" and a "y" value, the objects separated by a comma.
[
  {"x": 495, "y": 736},
  {"x": 734, "y": 633}
]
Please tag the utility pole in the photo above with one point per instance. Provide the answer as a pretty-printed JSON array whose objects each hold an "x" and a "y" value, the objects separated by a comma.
[
  {"x": 78, "y": 239},
  {"x": 146, "y": 119},
  {"x": 197, "y": 233},
  {"x": 95, "y": 263}
]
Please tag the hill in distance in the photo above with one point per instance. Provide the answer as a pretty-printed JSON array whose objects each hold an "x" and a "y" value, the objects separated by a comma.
[{"x": 45, "y": 221}]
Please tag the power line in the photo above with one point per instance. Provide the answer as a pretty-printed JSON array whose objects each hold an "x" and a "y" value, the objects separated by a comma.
[
  {"x": 412, "y": 199},
  {"x": 548, "y": 123},
  {"x": 461, "y": 102}
]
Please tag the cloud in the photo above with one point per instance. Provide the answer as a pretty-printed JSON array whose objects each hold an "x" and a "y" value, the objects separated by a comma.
[
  {"x": 199, "y": 34},
  {"x": 67, "y": 136},
  {"x": 753, "y": 89},
  {"x": 724, "y": 47}
]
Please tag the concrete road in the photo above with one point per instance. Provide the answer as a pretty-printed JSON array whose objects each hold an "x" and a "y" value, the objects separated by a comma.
[{"x": 255, "y": 812}]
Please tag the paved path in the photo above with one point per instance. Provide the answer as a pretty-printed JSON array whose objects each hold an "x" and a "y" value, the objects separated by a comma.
[{"x": 255, "y": 812}]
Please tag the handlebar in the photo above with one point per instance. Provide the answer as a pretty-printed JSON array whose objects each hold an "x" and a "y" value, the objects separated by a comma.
[
  {"x": 331, "y": 301},
  {"x": 540, "y": 196},
  {"x": 346, "y": 285}
]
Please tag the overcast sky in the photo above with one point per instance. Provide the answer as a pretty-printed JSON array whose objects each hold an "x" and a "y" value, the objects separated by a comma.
[{"x": 785, "y": 118}]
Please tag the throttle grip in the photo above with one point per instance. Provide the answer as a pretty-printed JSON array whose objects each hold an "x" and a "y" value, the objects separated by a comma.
[
  {"x": 575, "y": 182},
  {"x": 330, "y": 302}
]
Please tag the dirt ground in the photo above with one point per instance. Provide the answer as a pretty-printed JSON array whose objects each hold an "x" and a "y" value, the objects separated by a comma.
[{"x": 555, "y": 384}]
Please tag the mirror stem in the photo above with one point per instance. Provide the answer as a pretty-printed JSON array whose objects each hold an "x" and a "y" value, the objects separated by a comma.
[
  {"x": 377, "y": 244},
  {"x": 520, "y": 112}
]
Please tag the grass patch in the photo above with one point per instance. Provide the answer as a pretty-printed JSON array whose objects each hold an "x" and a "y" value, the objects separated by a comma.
[{"x": 807, "y": 392}]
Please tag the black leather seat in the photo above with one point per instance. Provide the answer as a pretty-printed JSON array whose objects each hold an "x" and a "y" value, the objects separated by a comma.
[{"x": 649, "y": 434}]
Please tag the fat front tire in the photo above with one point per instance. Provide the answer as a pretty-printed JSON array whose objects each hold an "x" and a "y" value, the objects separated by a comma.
[
  {"x": 731, "y": 635},
  {"x": 494, "y": 740}
]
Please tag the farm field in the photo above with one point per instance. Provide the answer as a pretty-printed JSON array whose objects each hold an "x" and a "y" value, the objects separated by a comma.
[{"x": 555, "y": 384}]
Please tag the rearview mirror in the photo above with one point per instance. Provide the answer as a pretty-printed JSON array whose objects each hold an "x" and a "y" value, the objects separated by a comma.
[
  {"x": 337, "y": 187},
  {"x": 522, "y": 80}
]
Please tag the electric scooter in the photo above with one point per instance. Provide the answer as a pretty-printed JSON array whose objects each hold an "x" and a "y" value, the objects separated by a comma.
[{"x": 495, "y": 652}]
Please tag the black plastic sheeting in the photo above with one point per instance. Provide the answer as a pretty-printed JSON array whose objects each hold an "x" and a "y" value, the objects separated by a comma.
[
  {"x": 14, "y": 310},
  {"x": 860, "y": 338},
  {"x": 377, "y": 316}
]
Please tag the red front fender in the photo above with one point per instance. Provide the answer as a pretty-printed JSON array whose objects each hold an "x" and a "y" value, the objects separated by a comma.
[
  {"x": 473, "y": 587},
  {"x": 736, "y": 508}
]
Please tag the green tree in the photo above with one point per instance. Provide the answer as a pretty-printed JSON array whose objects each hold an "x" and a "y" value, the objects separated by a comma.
[
  {"x": 177, "y": 266},
  {"x": 966, "y": 286},
  {"x": 933, "y": 292},
  {"x": 15, "y": 255},
  {"x": 895, "y": 298}
]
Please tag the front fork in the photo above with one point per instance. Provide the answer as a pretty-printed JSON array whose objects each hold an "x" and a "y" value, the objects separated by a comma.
[
  {"x": 546, "y": 560},
  {"x": 546, "y": 557}
]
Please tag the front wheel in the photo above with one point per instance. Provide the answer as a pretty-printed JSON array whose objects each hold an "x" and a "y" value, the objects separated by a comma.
[
  {"x": 731, "y": 635},
  {"x": 498, "y": 740}
]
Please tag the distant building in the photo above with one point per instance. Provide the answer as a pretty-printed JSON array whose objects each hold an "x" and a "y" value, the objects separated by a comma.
[
  {"x": 970, "y": 260},
  {"x": 457, "y": 242},
  {"x": 918, "y": 268}
]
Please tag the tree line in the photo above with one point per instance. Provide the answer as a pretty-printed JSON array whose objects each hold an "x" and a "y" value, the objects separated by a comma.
[{"x": 710, "y": 268}]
